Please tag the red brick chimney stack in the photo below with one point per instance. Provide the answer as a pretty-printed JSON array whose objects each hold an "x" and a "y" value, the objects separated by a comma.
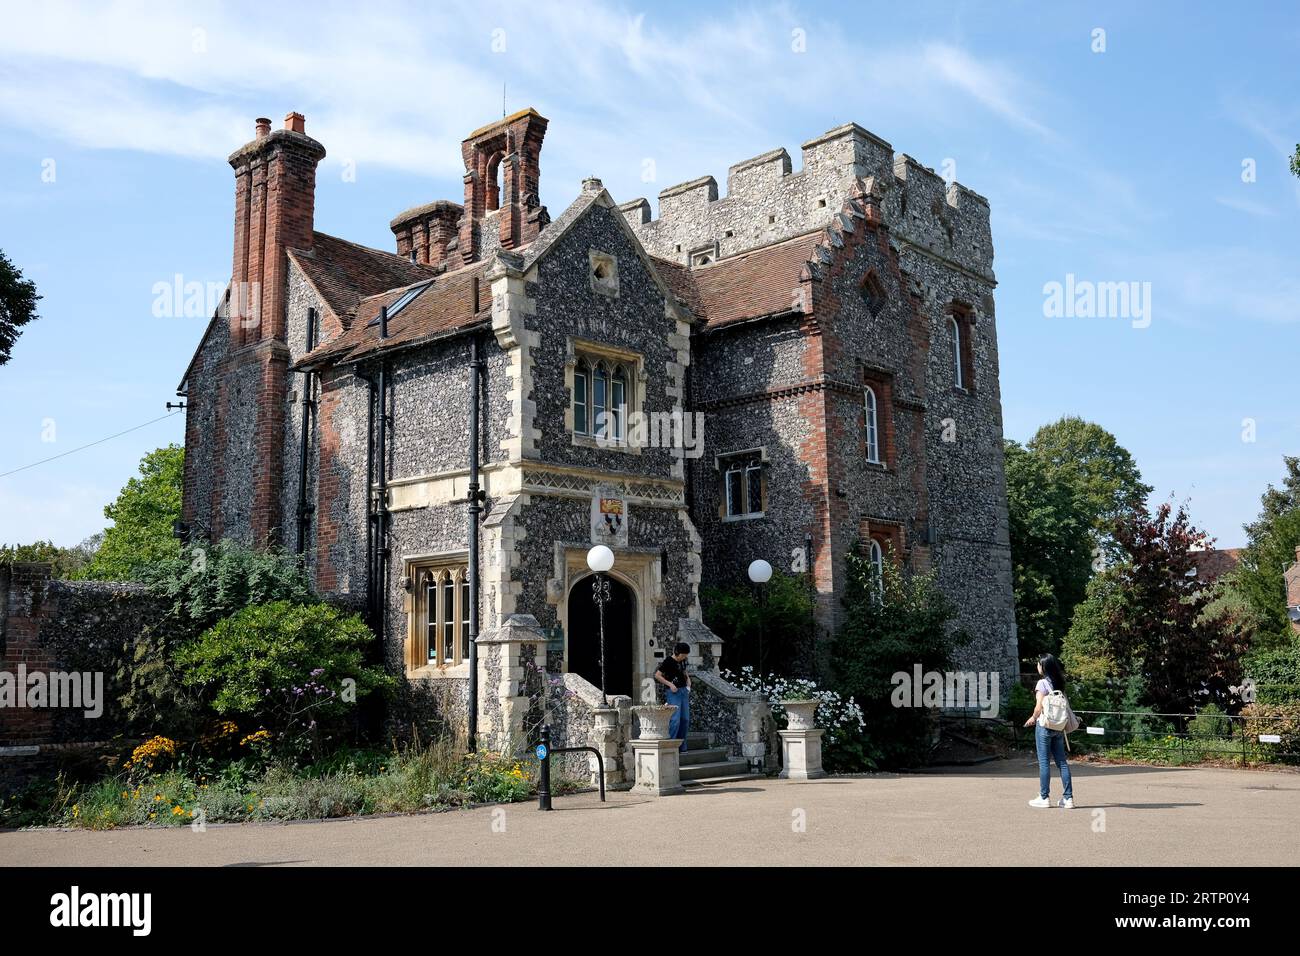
[
  {"x": 502, "y": 176},
  {"x": 275, "y": 204}
]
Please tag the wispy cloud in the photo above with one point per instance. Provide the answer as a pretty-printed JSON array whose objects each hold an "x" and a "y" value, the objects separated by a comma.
[{"x": 398, "y": 85}]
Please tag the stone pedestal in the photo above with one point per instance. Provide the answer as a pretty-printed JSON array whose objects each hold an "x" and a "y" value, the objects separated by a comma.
[
  {"x": 655, "y": 754},
  {"x": 801, "y": 742},
  {"x": 605, "y": 738}
]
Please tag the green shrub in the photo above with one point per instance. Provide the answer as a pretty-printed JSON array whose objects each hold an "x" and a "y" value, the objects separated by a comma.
[
  {"x": 1208, "y": 723},
  {"x": 1276, "y": 674},
  {"x": 295, "y": 670},
  {"x": 200, "y": 586},
  {"x": 889, "y": 630}
]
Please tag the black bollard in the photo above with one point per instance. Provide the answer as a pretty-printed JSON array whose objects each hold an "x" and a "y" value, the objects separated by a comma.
[{"x": 543, "y": 752}]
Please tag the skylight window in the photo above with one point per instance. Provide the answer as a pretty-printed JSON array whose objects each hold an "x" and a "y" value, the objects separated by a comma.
[{"x": 406, "y": 299}]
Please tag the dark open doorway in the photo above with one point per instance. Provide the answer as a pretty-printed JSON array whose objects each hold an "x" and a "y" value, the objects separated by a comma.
[{"x": 584, "y": 635}]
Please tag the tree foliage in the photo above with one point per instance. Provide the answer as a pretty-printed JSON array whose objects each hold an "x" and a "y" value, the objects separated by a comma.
[
  {"x": 1256, "y": 583},
  {"x": 785, "y": 615},
  {"x": 18, "y": 300},
  {"x": 1051, "y": 548},
  {"x": 1089, "y": 458},
  {"x": 65, "y": 562},
  {"x": 1146, "y": 618},
  {"x": 143, "y": 517}
]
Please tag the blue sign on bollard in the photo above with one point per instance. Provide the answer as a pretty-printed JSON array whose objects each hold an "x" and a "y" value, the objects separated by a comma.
[{"x": 541, "y": 751}]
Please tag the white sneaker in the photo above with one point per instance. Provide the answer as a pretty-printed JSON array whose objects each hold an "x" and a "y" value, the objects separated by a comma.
[
  {"x": 1066, "y": 803},
  {"x": 1040, "y": 802}
]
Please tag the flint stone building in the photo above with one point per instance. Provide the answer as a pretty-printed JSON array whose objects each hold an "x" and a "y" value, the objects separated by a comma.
[{"x": 834, "y": 327}]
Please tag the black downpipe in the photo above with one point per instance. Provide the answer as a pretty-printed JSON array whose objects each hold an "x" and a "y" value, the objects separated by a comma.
[
  {"x": 475, "y": 499},
  {"x": 308, "y": 406},
  {"x": 381, "y": 502}
]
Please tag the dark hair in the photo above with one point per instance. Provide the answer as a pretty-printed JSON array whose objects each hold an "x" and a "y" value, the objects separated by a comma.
[
  {"x": 1053, "y": 670},
  {"x": 682, "y": 648}
]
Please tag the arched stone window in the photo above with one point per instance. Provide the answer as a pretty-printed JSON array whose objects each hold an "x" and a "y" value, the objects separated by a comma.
[
  {"x": 954, "y": 329},
  {"x": 877, "y": 558},
  {"x": 582, "y": 397},
  {"x": 492, "y": 194},
  {"x": 871, "y": 414}
]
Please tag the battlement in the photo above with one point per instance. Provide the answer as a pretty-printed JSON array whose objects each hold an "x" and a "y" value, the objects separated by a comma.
[{"x": 767, "y": 202}]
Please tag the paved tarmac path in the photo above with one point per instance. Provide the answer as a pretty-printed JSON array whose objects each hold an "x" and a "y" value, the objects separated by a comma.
[{"x": 1123, "y": 816}]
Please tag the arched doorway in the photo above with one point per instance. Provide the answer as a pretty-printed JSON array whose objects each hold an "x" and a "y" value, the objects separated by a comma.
[{"x": 584, "y": 635}]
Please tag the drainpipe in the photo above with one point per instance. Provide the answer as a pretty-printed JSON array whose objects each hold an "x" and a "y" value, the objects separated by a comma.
[
  {"x": 381, "y": 509},
  {"x": 381, "y": 505},
  {"x": 308, "y": 405},
  {"x": 475, "y": 498}
]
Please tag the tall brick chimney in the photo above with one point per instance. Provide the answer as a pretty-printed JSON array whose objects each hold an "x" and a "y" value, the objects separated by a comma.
[
  {"x": 275, "y": 204},
  {"x": 502, "y": 175}
]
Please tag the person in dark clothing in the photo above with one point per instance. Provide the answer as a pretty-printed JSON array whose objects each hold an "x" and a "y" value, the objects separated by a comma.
[{"x": 677, "y": 690}]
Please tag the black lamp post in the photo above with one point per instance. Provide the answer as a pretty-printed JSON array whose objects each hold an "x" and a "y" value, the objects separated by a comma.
[
  {"x": 600, "y": 559},
  {"x": 760, "y": 572}
]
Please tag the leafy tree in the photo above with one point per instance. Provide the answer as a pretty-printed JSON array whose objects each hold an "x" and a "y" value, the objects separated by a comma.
[
  {"x": 1152, "y": 624},
  {"x": 1051, "y": 548},
  {"x": 1295, "y": 161},
  {"x": 734, "y": 614},
  {"x": 18, "y": 300},
  {"x": 887, "y": 630},
  {"x": 1086, "y": 651},
  {"x": 1256, "y": 583},
  {"x": 1087, "y": 456},
  {"x": 142, "y": 516}
]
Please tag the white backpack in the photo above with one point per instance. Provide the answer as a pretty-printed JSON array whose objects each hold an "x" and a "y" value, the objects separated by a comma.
[{"x": 1056, "y": 712}]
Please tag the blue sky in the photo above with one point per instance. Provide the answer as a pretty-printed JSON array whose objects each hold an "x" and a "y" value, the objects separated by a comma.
[{"x": 1124, "y": 165}]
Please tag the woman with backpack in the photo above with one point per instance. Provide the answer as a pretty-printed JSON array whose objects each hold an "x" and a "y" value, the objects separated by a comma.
[{"x": 1051, "y": 720}]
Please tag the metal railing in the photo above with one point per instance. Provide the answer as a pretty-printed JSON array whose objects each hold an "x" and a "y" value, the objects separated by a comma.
[{"x": 1181, "y": 738}]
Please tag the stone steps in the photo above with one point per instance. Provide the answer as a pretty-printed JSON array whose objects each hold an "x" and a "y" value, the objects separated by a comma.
[
  {"x": 709, "y": 772},
  {"x": 703, "y": 763}
]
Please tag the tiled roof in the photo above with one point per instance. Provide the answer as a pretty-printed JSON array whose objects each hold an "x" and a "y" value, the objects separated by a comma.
[
  {"x": 345, "y": 273},
  {"x": 1215, "y": 563},
  {"x": 764, "y": 281},
  {"x": 446, "y": 305}
]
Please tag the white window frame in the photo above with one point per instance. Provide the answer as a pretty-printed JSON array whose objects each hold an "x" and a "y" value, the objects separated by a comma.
[
  {"x": 958, "y": 378},
  {"x": 877, "y": 558},
  {"x": 746, "y": 465},
  {"x": 871, "y": 407}
]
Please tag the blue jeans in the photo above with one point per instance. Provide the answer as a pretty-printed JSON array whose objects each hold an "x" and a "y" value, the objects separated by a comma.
[
  {"x": 679, "y": 724},
  {"x": 1051, "y": 742}
]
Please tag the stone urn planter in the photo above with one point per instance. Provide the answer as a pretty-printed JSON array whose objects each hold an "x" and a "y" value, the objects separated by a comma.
[
  {"x": 801, "y": 742},
  {"x": 657, "y": 770},
  {"x": 802, "y": 714},
  {"x": 654, "y": 720}
]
